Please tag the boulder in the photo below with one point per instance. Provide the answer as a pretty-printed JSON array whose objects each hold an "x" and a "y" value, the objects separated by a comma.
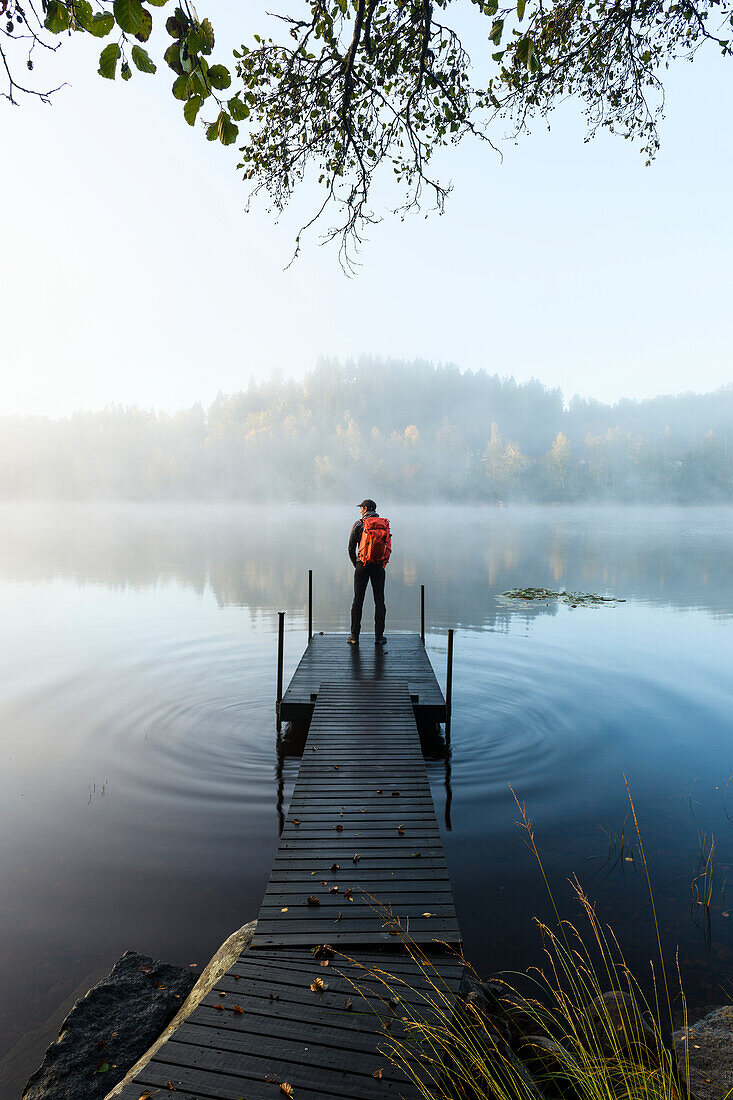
[
  {"x": 109, "y": 1028},
  {"x": 711, "y": 1054}
]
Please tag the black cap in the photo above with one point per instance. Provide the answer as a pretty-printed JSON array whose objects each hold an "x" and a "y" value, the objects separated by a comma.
[{"x": 370, "y": 505}]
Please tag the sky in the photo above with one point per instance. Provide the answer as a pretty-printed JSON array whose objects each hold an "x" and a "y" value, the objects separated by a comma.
[{"x": 132, "y": 274}]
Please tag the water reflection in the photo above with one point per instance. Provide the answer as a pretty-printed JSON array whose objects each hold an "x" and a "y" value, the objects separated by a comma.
[{"x": 258, "y": 557}]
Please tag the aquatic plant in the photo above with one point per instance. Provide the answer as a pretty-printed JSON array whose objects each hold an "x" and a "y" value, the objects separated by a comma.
[{"x": 573, "y": 599}]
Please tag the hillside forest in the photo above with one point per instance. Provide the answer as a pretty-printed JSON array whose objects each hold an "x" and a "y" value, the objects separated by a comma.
[{"x": 405, "y": 431}]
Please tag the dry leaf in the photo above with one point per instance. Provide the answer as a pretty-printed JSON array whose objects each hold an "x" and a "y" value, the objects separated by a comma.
[
  {"x": 349, "y": 893},
  {"x": 296, "y": 821},
  {"x": 379, "y": 792},
  {"x": 335, "y": 767},
  {"x": 145, "y": 1095},
  {"x": 220, "y": 1007},
  {"x": 428, "y": 914},
  {"x": 347, "y": 1004},
  {"x": 318, "y": 985},
  {"x": 323, "y": 951},
  {"x": 324, "y": 962},
  {"x": 286, "y": 1088},
  {"x": 239, "y": 1009},
  {"x": 285, "y": 909},
  {"x": 355, "y": 858},
  {"x": 335, "y": 867},
  {"x": 401, "y": 830},
  {"x": 312, "y": 900},
  {"x": 169, "y": 1085},
  {"x": 378, "y": 1074},
  {"x": 338, "y": 918},
  {"x": 363, "y": 811},
  {"x": 339, "y": 828},
  {"x": 333, "y": 890}
]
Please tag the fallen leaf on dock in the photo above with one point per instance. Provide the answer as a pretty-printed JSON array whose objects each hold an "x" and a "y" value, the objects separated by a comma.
[
  {"x": 284, "y": 910},
  {"x": 286, "y": 1088},
  {"x": 296, "y": 821},
  {"x": 337, "y": 919},
  {"x": 239, "y": 1009},
  {"x": 145, "y": 1095},
  {"x": 355, "y": 858},
  {"x": 333, "y": 890},
  {"x": 401, "y": 830},
  {"x": 335, "y": 867},
  {"x": 335, "y": 767},
  {"x": 378, "y": 1074},
  {"x": 220, "y": 1007},
  {"x": 339, "y": 828},
  {"x": 379, "y": 792},
  {"x": 169, "y": 1085},
  {"x": 416, "y": 855},
  {"x": 324, "y": 962},
  {"x": 318, "y": 985},
  {"x": 323, "y": 951},
  {"x": 312, "y": 900},
  {"x": 428, "y": 914},
  {"x": 347, "y": 1004}
]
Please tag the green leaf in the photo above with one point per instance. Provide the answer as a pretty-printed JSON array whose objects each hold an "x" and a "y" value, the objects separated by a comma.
[
  {"x": 495, "y": 33},
  {"x": 125, "y": 71},
  {"x": 212, "y": 131},
  {"x": 157, "y": 3},
  {"x": 237, "y": 109},
  {"x": 201, "y": 37},
  {"x": 57, "y": 17},
  {"x": 83, "y": 15},
  {"x": 102, "y": 24},
  {"x": 108, "y": 59},
  {"x": 521, "y": 5},
  {"x": 180, "y": 87},
  {"x": 207, "y": 31},
  {"x": 129, "y": 15},
  {"x": 172, "y": 58},
  {"x": 227, "y": 129},
  {"x": 219, "y": 77},
  {"x": 142, "y": 60},
  {"x": 145, "y": 27},
  {"x": 191, "y": 109}
]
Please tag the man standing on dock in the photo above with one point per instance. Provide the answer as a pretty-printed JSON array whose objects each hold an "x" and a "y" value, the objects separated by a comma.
[{"x": 370, "y": 545}]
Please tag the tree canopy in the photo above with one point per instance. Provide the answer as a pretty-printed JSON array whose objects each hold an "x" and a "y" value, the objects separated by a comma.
[{"x": 348, "y": 87}]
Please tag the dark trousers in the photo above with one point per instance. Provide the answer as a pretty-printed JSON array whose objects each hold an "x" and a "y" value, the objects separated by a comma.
[{"x": 362, "y": 575}]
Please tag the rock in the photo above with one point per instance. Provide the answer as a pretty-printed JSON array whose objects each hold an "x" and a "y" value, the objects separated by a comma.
[
  {"x": 108, "y": 1029},
  {"x": 711, "y": 1054},
  {"x": 224, "y": 958}
]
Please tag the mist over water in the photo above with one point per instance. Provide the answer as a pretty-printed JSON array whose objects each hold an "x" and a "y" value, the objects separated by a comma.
[{"x": 139, "y": 786}]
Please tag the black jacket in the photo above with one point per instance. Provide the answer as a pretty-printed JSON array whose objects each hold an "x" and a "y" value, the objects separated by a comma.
[{"x": 355, "y": 537}]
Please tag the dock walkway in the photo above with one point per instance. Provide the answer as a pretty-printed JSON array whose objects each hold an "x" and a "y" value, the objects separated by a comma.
[{"x": 359, "y": 867}]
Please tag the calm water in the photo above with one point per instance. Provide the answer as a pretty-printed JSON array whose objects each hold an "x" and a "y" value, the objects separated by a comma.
[{"x": 139, "y": 787}]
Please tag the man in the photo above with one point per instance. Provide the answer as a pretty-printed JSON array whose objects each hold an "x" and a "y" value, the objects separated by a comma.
[{"x": 370, "y": 545}]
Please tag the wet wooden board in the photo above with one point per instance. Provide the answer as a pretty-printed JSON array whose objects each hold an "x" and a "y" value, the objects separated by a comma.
[
  {"x": 330, "y": 659},
  {"x": 361, "y": 763},
  {"x": 263, "y": 1025},
  {"x": 361, "y": 839}
]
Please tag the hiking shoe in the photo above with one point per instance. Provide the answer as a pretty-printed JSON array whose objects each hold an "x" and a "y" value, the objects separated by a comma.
[
  {"x": 352, "y": 640},
  {"x": 380, "y": 641}
]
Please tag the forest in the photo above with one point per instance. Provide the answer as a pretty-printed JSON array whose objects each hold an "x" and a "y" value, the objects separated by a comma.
[{"x": 405, "y": 431}]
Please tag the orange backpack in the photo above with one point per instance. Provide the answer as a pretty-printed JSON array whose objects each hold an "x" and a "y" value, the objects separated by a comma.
[{"x": 376, "y": 541}]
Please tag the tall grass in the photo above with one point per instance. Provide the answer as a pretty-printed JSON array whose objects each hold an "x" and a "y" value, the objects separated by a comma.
[{"x": 579, "y": 1027}]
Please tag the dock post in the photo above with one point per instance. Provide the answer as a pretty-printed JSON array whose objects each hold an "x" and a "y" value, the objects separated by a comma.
[
  {"x": 280, "y": 647},
  {"x": 422, "y": 613},
  {"x": 449, "y": 687},
  {"x": 310, "y": 605}
]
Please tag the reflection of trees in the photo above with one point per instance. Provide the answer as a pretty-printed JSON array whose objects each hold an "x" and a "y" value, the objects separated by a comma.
[{"x": 258, "y": 557}]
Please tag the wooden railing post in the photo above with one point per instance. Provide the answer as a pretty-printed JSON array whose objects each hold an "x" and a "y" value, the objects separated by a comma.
[
  {"x": 449, "y": 686},
  {"x": 280, "y": 649},
  {"x": 422, "y": 613},
  {"x": 310, "y": 605}
]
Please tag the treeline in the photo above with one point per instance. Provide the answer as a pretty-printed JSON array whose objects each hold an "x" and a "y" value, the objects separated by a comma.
[{"x": 406, "y": 431}]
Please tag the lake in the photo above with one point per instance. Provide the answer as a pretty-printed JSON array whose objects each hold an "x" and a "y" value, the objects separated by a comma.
[{"x": 140, "y": 783}]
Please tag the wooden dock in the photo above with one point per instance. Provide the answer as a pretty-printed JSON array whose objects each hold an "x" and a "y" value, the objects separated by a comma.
[{"x": 360, "y": 867}]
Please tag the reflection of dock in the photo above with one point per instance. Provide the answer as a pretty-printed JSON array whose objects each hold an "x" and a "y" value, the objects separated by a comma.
[{"x": 360, "y": 867}]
